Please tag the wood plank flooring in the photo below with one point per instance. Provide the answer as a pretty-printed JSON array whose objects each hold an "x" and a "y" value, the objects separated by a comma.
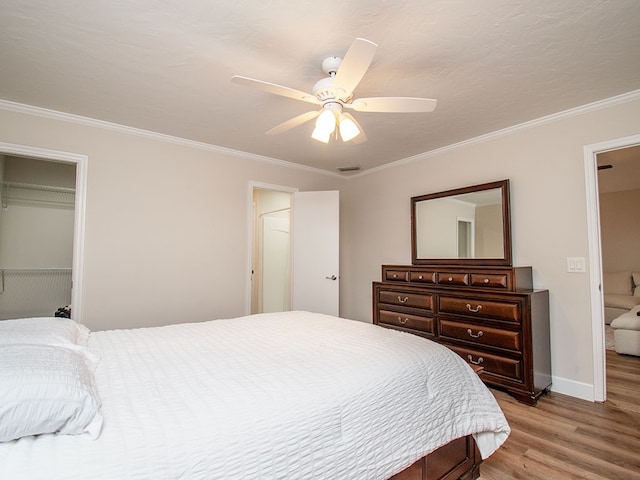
[{"x": 566, "y": 438}]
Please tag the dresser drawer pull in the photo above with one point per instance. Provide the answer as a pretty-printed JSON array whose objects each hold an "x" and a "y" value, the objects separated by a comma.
[
  {"x": 395, "y": 275},
  {"x": 486, "y": 280},
  {"x": 451, "y": 279},
  {"x": 420, "y": 277},
  {"x": 475, "y": 362},
  {"x": 403, "y": 321},
  {"x": 403, "y": 300},
  {"x": 475, "y": 335},
  {"x": 474, "y": 310}
]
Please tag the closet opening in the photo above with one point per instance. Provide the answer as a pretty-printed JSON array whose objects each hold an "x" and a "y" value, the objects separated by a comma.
[
  {"x": 36, "y": 237},
  {"x": 41, "y": 232}
]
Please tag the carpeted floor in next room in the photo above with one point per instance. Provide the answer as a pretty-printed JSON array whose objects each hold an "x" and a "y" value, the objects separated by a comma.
[{"x": 608, "y": 338}]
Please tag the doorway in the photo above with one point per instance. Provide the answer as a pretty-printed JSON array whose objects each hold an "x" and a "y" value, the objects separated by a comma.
[
  {"x": 41, "y": 204},
  {"x": 271, "y": 253},
  {"x": 293, "y": 250},
  {"x": 465, "y": 238},
  {"x": 591, "y": 153},
  {"x": 619, "y": 201}
]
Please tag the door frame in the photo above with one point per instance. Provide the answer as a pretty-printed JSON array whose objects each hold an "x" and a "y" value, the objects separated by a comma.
[
  {"x": 251, "y": 231},
  {"x": 471, "y": 239},
  {"x": 81, "y": 162},
  {"x": 595, "y": 258}
]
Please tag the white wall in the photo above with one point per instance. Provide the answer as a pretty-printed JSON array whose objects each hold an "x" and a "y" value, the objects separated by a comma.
[
  {"x": 36, "y": 237},
  {"x": 620, "y": 231},
  {"x": 545, "y": 164},
  {"x": 440, "y": 214},
  {"x": 166, "y": 223},
  {"x": 488, "y": 233}
]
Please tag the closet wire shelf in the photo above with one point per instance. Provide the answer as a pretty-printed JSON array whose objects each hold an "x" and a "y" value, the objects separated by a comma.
[{"x": 16, "y": 193}]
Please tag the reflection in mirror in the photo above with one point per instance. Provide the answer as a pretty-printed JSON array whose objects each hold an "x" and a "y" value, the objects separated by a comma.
[{"x": 467, "y": 225}]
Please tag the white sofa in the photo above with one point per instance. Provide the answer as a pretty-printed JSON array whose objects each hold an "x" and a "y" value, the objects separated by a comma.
[
  {"x": 621, "y": 293},
  {"x": 626, "y": 332}
]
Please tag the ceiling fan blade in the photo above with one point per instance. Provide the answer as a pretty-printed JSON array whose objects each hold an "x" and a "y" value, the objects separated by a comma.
[
  {"x": 393, "y": 104},
  {"x": 361, "y": 138},
  {"x": 293, "y": 122},
  {"x": 275, "y": 89},
  {"x": 354, "y": 65}
]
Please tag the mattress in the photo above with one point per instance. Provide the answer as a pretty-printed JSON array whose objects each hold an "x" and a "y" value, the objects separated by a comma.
[{"x": 291, "y": 395}]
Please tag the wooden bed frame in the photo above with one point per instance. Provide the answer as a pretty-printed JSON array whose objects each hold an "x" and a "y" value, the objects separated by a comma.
[{"x": 457, "y": 460}]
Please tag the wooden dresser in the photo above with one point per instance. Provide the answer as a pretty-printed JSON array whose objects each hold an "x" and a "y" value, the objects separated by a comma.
[{"x": 491, "y": 316}]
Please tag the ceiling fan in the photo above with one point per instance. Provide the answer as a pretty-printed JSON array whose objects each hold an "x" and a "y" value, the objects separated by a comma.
[{"x": 334, "y": 94}]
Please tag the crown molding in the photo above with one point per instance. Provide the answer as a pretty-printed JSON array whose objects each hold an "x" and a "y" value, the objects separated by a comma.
[
  {"x": 572, "y": 112},
  {"x": 92, "y": 122}
]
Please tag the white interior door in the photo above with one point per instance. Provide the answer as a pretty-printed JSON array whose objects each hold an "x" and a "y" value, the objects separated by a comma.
[
  {"x": 275, "y": 264},
  {"x": 315, "y": 251}
]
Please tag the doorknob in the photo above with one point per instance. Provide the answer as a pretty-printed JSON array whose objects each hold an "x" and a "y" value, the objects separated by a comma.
[{"x": 332, "y": 277}]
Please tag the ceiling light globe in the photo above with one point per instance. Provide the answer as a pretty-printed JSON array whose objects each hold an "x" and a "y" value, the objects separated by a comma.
[
  {"x": 348, "y": 129},
  {"x": 321, "y": 135},
  {"x": 326, "y": 121}
]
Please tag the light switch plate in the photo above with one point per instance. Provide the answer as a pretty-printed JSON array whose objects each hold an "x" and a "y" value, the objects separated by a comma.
[{"x": 576, "y": 265}]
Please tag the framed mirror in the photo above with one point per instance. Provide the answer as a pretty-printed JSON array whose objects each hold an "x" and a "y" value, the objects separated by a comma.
[{"x": 464, "y": 226}]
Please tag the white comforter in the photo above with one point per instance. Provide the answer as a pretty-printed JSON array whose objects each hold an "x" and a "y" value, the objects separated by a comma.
[{"x": 276, "y": 396}]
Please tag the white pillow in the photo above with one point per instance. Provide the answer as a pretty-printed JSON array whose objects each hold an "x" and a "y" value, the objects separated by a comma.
[
  {"x": 618, "y": 283},
  {"x": 46, "y": 389},
  {"x": 43, "y": 330}
]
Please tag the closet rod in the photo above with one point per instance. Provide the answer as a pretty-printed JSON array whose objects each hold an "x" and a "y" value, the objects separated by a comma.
[
  {"x": 33, "y": 186},
  {"x": 35, "y": 269},
  {"x": 275, "y": 211}
]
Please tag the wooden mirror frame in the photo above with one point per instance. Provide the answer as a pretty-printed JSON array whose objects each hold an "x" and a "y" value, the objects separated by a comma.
[{"x": 506, "y": 260}]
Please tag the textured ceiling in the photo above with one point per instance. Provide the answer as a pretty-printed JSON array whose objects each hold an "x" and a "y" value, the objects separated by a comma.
[{"x": 165, "y": 66}]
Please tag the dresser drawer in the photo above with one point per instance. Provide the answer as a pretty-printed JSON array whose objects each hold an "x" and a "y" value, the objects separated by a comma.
[
  {"x": 396, "y": 275},
  {"x": 510, "y": 311},
  {"x": 489, "y": 314},
  {"x": 414, "y": 322},
  {"x": 489, "y": 281},
  {"x": 452, "y": 278},
  {"x": 494, "y": 364},
  {"x": 480, "y": 334},
  {"x": 423, "y": 277},
  {"x": 406, "y": 299}
]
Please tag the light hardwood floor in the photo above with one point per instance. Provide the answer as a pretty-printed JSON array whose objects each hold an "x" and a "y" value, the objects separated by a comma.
[{"x": 566, "y": 438}]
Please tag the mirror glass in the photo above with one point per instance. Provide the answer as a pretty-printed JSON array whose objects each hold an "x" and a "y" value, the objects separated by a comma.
[{"x": 462, "y": 226}]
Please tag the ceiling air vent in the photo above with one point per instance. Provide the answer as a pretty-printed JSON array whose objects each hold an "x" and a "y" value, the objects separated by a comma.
[{"x": 348, "y": 169}]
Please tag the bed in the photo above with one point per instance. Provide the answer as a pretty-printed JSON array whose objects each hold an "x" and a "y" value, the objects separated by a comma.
[{"x": 291, "y": 395}]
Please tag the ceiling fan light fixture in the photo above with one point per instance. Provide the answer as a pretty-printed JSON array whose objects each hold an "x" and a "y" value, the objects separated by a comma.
[
  {"x": 348, "y": 129},
  {"x": 321, "y": 135},
  {"x": 335, "y": 92},
  {"x": 326, "y": 121}
]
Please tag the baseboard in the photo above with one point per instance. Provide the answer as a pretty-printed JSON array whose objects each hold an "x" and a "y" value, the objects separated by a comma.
[{"x": 584, "y": 391}]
